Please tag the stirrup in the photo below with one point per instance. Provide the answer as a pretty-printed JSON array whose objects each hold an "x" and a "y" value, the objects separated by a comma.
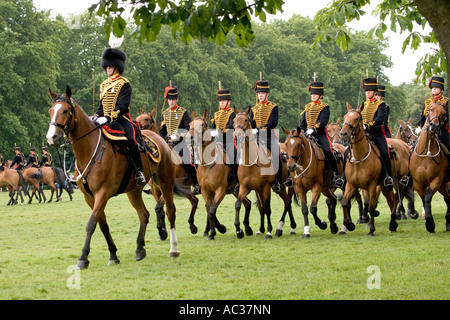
[
  {"x": 339, "y": 183},
  {"x": 197, "y": 189},
  {"x": 404, "y": 181},
  {"x": 276, "y": 187},
  {"x": 388, "y": 182},
  {"x": 236, "y": 188},
  {"x": 288, "y": 183},
  {"x": 140, "y": 179}
]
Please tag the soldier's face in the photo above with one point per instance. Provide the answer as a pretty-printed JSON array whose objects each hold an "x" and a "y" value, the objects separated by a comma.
[
  {"x": 110, "y": 71},
  {"x": 435, "y": 91},
  {"x": 315, "y": 97},
  {"x": 172, "y": 102},
  {"x": 224, "y": 103},
  {"x": 262, "y": 96},
  {"x": 370, "y": 94}
]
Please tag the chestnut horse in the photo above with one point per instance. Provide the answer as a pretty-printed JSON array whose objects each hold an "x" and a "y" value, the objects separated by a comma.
[
  {"x": 363, "y": 169},
  {"x": 147, "y": 121},
  {"x": 255, "y": 172},
  {"x": 212, "y": 173},
  {"x": 14, "y": 181},
  {"x": 307, "y": 173},
  {"x": 406, "y": 132},
  {"x": 428, "y": 165},
  {"x": 100, "y": 168}
]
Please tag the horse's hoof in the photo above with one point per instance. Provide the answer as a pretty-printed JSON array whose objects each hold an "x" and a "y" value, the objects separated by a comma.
[
  {"x": 174, "y": 254},
  {"x": 141, "y": 254},
  {"x": 376, "y": 213},
  {"x": 342, "y": 233},
  {"x": 430, "y": 226},
  {"x": 248, "y": 231},
  {"x": 322, "y": 225},
  {"x": 113, "y": 262},
  {"x": 293, "y": 232},
  {"x": 393, "y": 225},
  {"x": 163, "y": 235},
  {"x": 205, "y": 234},
  {"x": 210, "y": 238},
  {"x": 447, "y": 227},
  {"x": 258, "y": 233},
  {"x": 350, "y": 226},
  {"x": 82, "y": 264},
  {"x": 222, "y": 229},
  {"x": 413, "y": 216},
  {"x": 371, "y": 234},
  {"x": 239, "y": 234},
  {"x": 194, "y": 229},
  {"x": 278, "y": 233},
  {"x": 306, "y": 236},
  {"x": 334, "y": 228},
  {"x": 268, "y": 236}
]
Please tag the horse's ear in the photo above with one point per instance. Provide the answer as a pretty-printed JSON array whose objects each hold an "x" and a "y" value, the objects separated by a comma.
[
  {"x": 236, "y": 110},
  {"x": 401, "y": 122},
  {"x": 52, "y": 94},
  {"x": 349, "y": 107},
  {"x": 338, "y": 121},
  {"x": 248, "y": 110},
  {"x": 205, "y": 114},
  {"x": 142, "y": 111},
  {"x": 286, "y": 130},
  {"x": 361, "y": 108},
  {"x": 152, "y": 113},
  {"x": 68, "y": 93},
  {"x": 299, "y": 130},
  {"x": 410, "y": 120},
  {"x": 194, "y": 115},
  {"x": 328, "y": 123}
]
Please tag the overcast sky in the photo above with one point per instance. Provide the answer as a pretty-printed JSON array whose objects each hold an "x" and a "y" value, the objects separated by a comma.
[{"x": 404, "y": 64}]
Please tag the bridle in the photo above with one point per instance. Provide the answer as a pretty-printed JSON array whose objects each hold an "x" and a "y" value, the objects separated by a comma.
[
  {"x": 354, "y": 128},
  {"x": 354, "y": 134},
  {"x": 65, "y": 126},
  {"x": 299, "y": 158},
  {"x": 407, "y": 138}
]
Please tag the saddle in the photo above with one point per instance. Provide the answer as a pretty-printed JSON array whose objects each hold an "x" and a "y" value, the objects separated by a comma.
[{"x": 392, "y": 152}]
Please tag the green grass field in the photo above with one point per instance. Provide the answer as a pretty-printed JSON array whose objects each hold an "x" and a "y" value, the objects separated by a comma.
[{"x": 40, "y": 244}]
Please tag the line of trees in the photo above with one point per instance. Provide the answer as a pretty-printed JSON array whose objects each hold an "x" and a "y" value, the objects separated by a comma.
[{"x": 40, "y": 52}]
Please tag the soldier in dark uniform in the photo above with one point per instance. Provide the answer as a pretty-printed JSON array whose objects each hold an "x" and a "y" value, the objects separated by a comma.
[
  {"x": 46, "y": 159},
  {"x": 174, "y": 119},
  {"x": 436, "y": 85},
  {"x": 314, "y": 122},
  {"x": 33, "y": 159},
  {"x": 374, "y": 117},
  {"x": 1, "y": 162},
  {"x": 223, "y": 122},
  {"x": 114, "y": 107},
  {"x": 264, "y": 118},
  {"x": 19, "y": 159},
  {"x": 381, "y": 91}
]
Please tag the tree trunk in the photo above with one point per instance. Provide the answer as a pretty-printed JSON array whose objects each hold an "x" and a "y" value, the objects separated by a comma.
[{"x": 437, "y": 13}]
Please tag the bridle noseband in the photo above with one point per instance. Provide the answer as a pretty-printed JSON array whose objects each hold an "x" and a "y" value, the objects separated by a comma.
[{"x": 65, "y": 126}]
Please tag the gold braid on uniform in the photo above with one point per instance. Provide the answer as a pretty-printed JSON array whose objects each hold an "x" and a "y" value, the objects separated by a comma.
[
  {"x": 221, "y": 118},
  {"x": 172, "y": 119},
  {"x": 442, "y": 100},
  {"x": 109, "y": 92},
  {"x": 370, "y": 108},
  {"x": 312, "y": 111},
  {"x": 261, "y": 113}
]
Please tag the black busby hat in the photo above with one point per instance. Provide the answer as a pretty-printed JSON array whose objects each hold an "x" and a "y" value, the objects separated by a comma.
[
  {"x": 17, "y": 148},
  {"x": 45, "y": 148},
  {"x": 316, "y": 87},
  {"x": 113, "y": 57},
  {"x": 436, "y": 82},
  {"x": 381, "y": 90},
  {"x": 32, "y": 149},
  {"x": 171, "y": 92},
  {"x": 370, "y": 84},
  {"x": 262, "y": 86},
  {"x": 223, "y": 94}
]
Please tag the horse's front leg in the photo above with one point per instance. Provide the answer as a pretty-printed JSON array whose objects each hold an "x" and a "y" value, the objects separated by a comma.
[
  {"x": 136, "y": 201},
  {"x": 316, "y": 191},
  {"x": 237, "y": 207},
  {"x": 345, "y": 202},
  {"x": 373, "y": 199}
]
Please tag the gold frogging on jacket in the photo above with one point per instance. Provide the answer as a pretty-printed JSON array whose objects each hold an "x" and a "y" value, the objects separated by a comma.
[
  {"x": 221, "y": 118},
  {"x": 312, "y": 111},
  {"x": 442, "y": 100},
  {"x": 109, "y": 92},
  {"x": 172, "y": 119},
  {"x": 370, "y": 108},
  {"x": 261, "y": 113}
]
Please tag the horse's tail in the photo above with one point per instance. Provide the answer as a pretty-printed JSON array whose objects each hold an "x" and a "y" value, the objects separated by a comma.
[
  {"x": 37, "y": 176},
  {"x": 61, "y": 180},
  {"x": 179, "y": 189},
  {"x": 22, "y": 182}
]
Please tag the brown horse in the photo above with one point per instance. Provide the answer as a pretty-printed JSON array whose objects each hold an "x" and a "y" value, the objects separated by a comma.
[
  {"x": 147, "y": 121},
  {"x": 51, "y": 176},
  {"x": 333, "y": 131},
  {"x": 255, "y": 172},
  {"x": 363, "y": 169},
  {"x": 14, "y": 181},
  {"x": 429, "y": 165},
  {"x": 101, "y": 167},
  {"x": 307, "y": 173},
  {"x": 406, "y": 132},
  {"x": 33, "y": 178}
]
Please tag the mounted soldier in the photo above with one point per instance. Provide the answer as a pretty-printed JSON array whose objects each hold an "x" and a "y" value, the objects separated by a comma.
[
  {"x": 18, "y": 160},
  {"x": 114, "y": 106},
  {"x": 223, "y": 123},
  {"x": 381, "y": 92},
  {"x": 33, "y": 159},
  {"x": 373, "y": 119},
  {"x": 436, "y": 85},
  {"x": 175, "y": 122},
  {"x": 46, "y": 159},
  {"x": 264, "y": 118},
  {"x": 314, "y": 122}
]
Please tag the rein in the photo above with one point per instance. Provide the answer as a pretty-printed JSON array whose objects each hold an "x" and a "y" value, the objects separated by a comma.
[
  {"x": 353, "y": 134},
  {"x": 299, "y": 159}
]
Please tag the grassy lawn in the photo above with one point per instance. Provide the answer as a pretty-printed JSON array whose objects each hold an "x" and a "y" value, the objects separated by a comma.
[{"x": 40, "y": 243}]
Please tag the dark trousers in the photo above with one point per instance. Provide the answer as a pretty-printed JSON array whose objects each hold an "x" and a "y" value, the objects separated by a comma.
[
  {"x": 326, "y": 145},
  {"x": 381, "y": 143}
]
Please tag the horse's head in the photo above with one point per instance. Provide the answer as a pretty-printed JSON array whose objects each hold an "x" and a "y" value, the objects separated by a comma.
[
  {"x": 333, "y": 131},
  {"x": 295, "y": 146},
  {"x": 406, "y": 131},
  {"x": 62, "y": 117},
  {"x": 352, "y": 124},
  {"x": 435, "y": 117},
  {"x": 146, "y": 120},
  {"x": 197, "y": 129},
  {"x": 241, "y": 125}
]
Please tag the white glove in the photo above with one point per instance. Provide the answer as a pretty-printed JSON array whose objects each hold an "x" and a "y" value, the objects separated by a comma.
[
  {"x": 214, "y": 133},
  {"x": 254, "y": 131},
  {"x": 309, "y": 132},
  {"x": 365, "y": 126},
  {"x": 101, "y": 120},
  {"x": 174, "y": 137},
  {"x": 417, "y": 131}
]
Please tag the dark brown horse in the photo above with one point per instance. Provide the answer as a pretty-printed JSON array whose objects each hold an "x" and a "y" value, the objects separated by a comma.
[
  {"x": 307, "y": 173},
  {"x": 363, "y": 169},
  {"x": 100, "y": 169},
  {"x": 255, "y": 172},
  {"x": 147, "y": 121},
  {"x": 406, "y": 132},
  {"x": 429, "y": 165},
  {"x": 213, "y": 173}
]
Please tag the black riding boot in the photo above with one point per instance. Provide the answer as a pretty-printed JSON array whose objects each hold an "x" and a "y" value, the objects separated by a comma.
[
  {"x": 192, "y": 175},
  {"x": 279, "y": 178},
  {"x": 234, "y": 168},
  {"x": 137, "y": 161},
  {"x": 335, "y": 181},
  {"x": 388, "y": 182}
]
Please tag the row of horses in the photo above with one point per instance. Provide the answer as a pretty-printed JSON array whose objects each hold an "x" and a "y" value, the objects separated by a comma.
[
  {"x": 101, "y": 168},
  {"x": 18, "y": 181}
]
